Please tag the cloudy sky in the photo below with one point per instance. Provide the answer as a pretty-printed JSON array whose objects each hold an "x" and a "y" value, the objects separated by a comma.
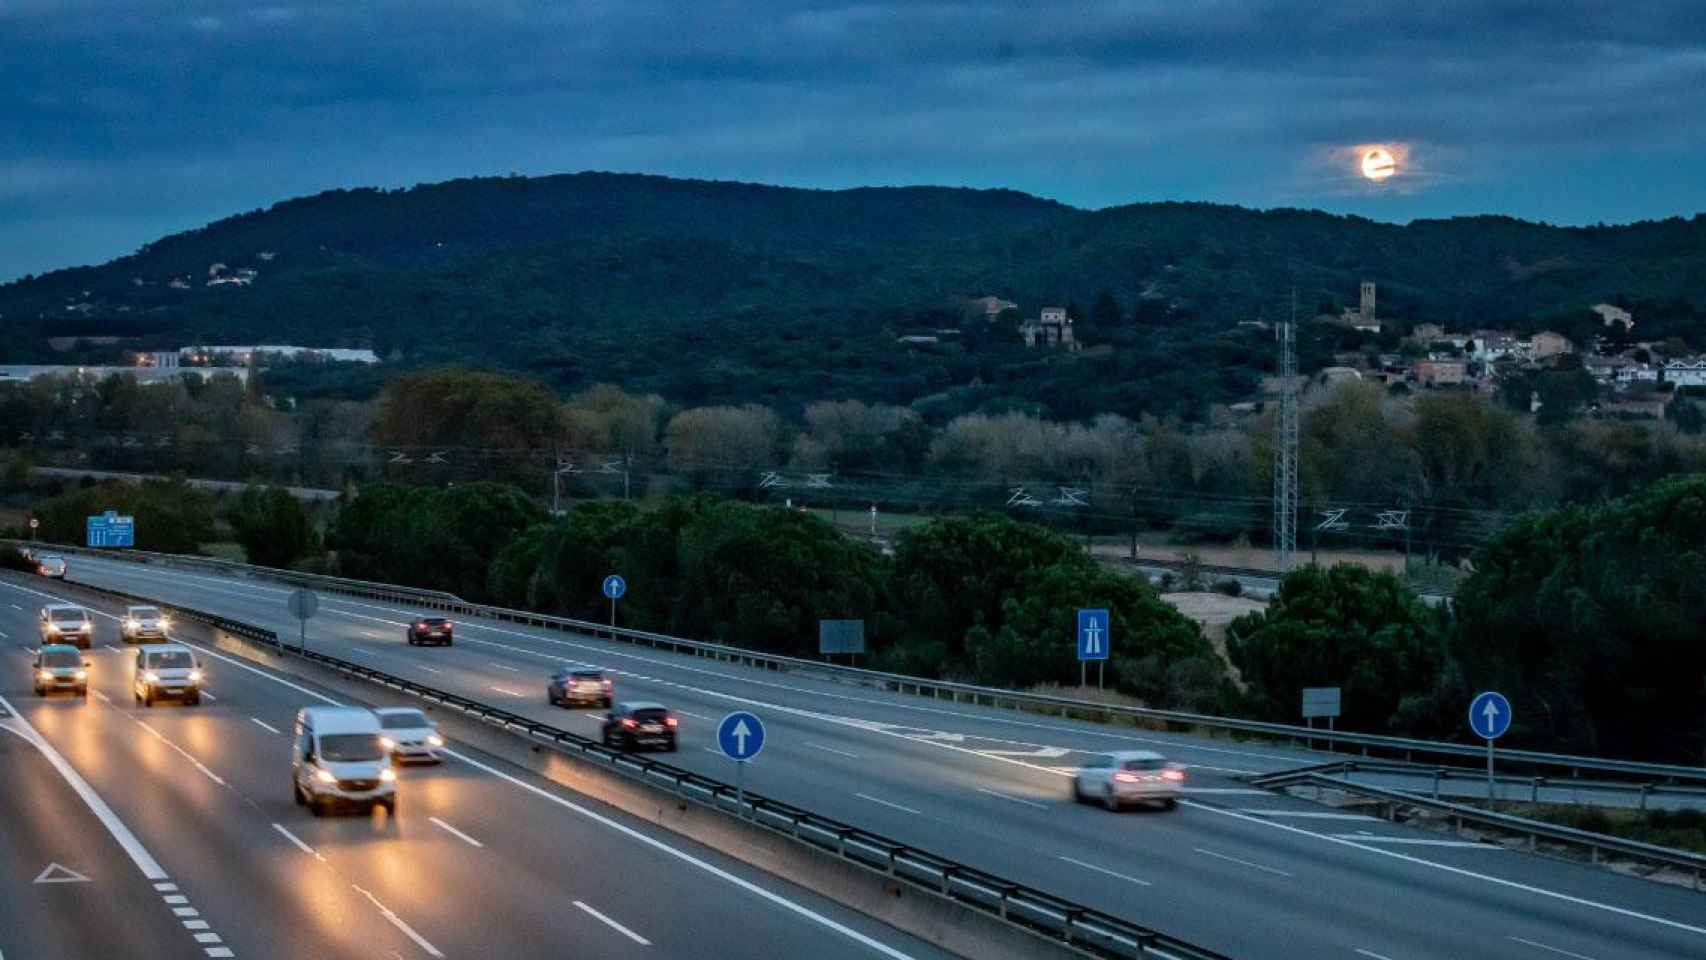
[{"x": 127, "y": 119}]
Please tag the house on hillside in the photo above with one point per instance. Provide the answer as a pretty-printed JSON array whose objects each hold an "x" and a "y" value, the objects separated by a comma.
[
  {"x": 990, "y": 307},
  {"x": 1052, "y": 329},
  {"x": 1441, "y": 372},
  {"x": 1686, "y": 372},
  {"x": 1546, "y": 344}
]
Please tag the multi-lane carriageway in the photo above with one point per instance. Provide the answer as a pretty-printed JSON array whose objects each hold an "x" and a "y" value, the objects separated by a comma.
[{"x": 1250, "y": 873}]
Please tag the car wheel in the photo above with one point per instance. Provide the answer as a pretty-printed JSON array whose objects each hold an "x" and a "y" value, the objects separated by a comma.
[
  {"x": 316, "y": 806},
  {"x": 670, "y": 748},
  {"x": 606, "y": 702},
  {"x": 296, "y": 794},
  {"x": 1169, "y": 803},
  {"x": 411, "y": 639},
  {"x": 1108, "y": 799},
  {"x": 148, "y": 699},
  {"x": 194, "y": 701},
  {"x": 39, "y": 691},
  {"x": 1077, "y": 791},
  {"x": 83, "y": 691},
  {"x": 391, "y": 807},
  {"x": 447, "y": 643}
]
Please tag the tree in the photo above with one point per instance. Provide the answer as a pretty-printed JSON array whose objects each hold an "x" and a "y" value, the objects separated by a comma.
[
  {"x": 1105, "y": 312},
  {"x": 472, "y": 409},
  {"x": 707, "y": 441},
  {"x": 1354, "y": 628},
  {"x": 171, "y": 516},
  {"x": 389, "y": 531},
  {"x": 271, "y": 526}
]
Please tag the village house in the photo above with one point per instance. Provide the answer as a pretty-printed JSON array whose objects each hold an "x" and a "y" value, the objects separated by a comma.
[
  {"x": 1052, "y": 329},
  {"x": 1546, "y": 344},
  {"x": 1441, "y": 372},
  {"x": 1686, "y": 372}
]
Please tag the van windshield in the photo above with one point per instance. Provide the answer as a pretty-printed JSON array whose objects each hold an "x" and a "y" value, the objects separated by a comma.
[
  {"x": 171, "y": 659},
  {"x": 407, "y": 720},
  {"x": 65, "y": 616},
  {"x": 350, "y": 747},
  {"x": 61, "y": 658}
]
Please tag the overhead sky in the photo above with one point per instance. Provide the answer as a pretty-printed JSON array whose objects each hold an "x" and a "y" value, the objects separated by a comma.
[{"x": 122, "y": 120}]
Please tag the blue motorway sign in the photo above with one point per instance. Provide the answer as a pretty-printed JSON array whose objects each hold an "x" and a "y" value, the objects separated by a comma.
[
  {"x": 741, "y": 735},
  {"x": 1093, "y": 634},
  {"x": 615, "y": 586},
  {"x": 111, "y": 530},
  {"x": 1490, "y": 715}
]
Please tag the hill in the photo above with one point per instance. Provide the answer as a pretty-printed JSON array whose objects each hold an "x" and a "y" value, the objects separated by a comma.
[{"x": 729, "y": 292}]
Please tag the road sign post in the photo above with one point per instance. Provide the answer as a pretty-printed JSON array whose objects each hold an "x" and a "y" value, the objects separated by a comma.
[
  {"x": 35, "y": 523},
  {"x": 1490, "y": 717},
  {"x": 740, "y": 735},
  {"x": 614, "y": 588},
  {"x": 303, "y": 604},
  {"x": 1093, "y": 642},
  {"x": 1320, "y": 702}
]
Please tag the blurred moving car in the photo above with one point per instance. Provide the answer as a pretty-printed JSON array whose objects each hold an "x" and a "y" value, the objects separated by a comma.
[
  {"x": 570, "y": 686},
  {"x": 339, "y": 759},
  {"x": 60, "y": 666},
  {"x": 410, "y": 734},
  {"x": 431, "y": 630},
  {"x": 143, "y": 623},
  {"x": 631, "y": 726},
  {"x": 67, "y": 623},
  {"x": 169, "y": 671},
  {"x": 1129, "y": 776},
  {"x": 50, "y": 566}
]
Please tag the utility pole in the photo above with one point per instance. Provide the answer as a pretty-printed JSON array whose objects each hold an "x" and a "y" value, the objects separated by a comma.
[{"x": 1285, "y": 446}]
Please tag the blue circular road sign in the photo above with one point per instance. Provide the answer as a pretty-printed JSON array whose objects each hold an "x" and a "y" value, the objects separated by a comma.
[
  {"x": 615, "y": 586},
  {"x": 1490, "y": 715},
  {"x": 741, "y": 735}
]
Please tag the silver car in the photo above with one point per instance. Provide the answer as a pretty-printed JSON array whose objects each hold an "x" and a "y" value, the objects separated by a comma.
[
  {"x": 67, "y": 623},
  {"x": 51, "y": 567},
  {"x": 144, "y": 623},
  {"x": 1127, "y": 777},
  {"x": 164, "y": 671},
  {"x": 409, "y": 734}
]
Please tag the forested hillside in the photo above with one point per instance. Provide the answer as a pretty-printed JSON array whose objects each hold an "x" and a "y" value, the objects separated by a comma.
[{"x": 710, "y": 292}]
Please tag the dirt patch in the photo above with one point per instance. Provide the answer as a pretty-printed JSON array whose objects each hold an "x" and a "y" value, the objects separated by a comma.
[
  {"x": 1213, "y": 611},
  {"x": 1255, "y": 558}
]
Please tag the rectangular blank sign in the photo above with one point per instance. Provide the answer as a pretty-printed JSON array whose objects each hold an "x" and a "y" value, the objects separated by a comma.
[
  {"x": 841, "y": 636},
  {"x": 1320, "y": 702}
]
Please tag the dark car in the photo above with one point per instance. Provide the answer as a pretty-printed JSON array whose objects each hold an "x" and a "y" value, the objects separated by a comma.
[
  {"x": 431, "y": 630},
  {"x": 568, "y": 687},
  {"x": 632, "y": 726}
]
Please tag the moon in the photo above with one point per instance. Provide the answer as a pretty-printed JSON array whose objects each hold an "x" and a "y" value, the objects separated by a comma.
[{"x": 1377, "y": 164}]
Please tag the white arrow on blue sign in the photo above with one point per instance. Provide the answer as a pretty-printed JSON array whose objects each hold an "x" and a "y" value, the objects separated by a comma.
[
  {"x": 1490, "y": 715},
  {"x": 615, "y": 586},
  {"x": 741, "y": 735},
  {"x": 1093, "y": 635}
]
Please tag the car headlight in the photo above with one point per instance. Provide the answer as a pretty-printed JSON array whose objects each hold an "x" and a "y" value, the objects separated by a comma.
[
  {"x": 80, "y": 675},
  {"x": 149, "y": 676},
  {"x": 165, "y": 622},
  {"x": 435, "y": 740},
  {"x": 387, "y": 742},
  {"x": 325, "y": 776},
  {"x": 53, "y": 628},
  {"x": 46, "y": 674},
  {"x": 388, "y": 775},
  {"x": 195, "y": 676}
]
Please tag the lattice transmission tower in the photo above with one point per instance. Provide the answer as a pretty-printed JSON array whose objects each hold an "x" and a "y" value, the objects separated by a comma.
[{"x": 1285, "y": 445}]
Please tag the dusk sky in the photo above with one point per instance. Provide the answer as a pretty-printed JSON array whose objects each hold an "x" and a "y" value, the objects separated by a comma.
[{"x": 129, "y": 119}]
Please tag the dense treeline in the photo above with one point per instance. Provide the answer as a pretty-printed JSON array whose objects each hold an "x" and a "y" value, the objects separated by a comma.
[{"x": 784, "y": 297}]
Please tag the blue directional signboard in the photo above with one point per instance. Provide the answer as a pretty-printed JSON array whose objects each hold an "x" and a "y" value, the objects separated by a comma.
[
  {"x": 1490, "y": 715},
  {"x": 741, "y": 735},
  {"x": 111, "y": 530},
  {"x": 1093, "y": 634},
  {"x": 615, "y": 586}
]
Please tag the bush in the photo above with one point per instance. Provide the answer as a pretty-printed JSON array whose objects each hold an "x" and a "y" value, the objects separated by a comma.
[
  {"x": 271, "y": 526},
  {"x": 1230, "y": 587},
  {"x": 171, "y": 516}
]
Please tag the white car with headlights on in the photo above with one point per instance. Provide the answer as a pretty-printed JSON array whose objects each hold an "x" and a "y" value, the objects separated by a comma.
[
  {"x": 339, "y": 759},
  {"x": 410, "y": 735},
  {"x": 1128, "y": 777},
  {"x": 67, "y": 623},
  {"x": 168, "y": 671},
  {"x": 144, "y": 623}
]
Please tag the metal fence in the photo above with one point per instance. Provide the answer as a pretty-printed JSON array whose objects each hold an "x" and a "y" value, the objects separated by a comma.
[
  {"x": 1367, "y": 744},
  {"x": 1088, "y": 930},
  {"x": 1597, "y": 844},
  {"x": 1533, "y": 783}
]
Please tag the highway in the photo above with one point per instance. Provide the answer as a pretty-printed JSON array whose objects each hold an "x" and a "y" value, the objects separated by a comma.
[
  {"x": 170, "y": 831},
  {"x": 1247, "y": 872}
]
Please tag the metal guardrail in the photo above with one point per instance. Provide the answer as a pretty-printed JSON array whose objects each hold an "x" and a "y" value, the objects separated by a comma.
[
  {"x": 1088, "y": 930},
  {"x": 1597, "y": 844},
  {"x": 1408, "y": 748},
  {"x": 1440, "y": 774}
]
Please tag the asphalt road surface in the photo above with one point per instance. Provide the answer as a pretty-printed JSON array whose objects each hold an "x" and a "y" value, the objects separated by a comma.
[{"x": 1250, "y": 873}]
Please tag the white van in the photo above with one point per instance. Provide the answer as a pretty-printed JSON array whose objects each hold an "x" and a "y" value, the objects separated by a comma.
[
  {"x": 169, "y": 671},
  {"x": 340, "y": 758}
]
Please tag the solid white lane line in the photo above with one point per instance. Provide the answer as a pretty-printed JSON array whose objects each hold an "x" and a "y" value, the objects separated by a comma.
[
  {"x": 1458, "y": 871},
  {"x": 397, "y": 922},
  {"x": 684, "y": 857},
  {"x": 16, "y": 607},
  {"x": 1229, "y": 791},
  {"x": 631, "y": 935},
  {"x": 696, "y": 716},
  {"x": 1091, "y": 866},
  {"x": 504, "y": 666},
  {"x": 103, "y": 697},
  {"x": 595, "y": 716},
  {"x": 138, "y": 853},
  {"x": 427, "y": 669},
  {"x": 1541, "y": 946},
  {"x": 265, "y": 725},
  {"x": 1371, "y": 955},
  {"x": 456, "y": 833},
  {"x": 297, "y": 841},
  {"x": 1005, "y": 796},
  {"x": 1419, "y": 842},
  {"x": 209, "y": 695},
  {"x": 1311, "y": 815},
  {"x": 507, "y": 691},
  {"x": 114, "y": 649},
  {"x": 180, "y": 750},
  {"x": 1246, "y": 863},
  {"x": 866, "y": 796},
  {"x": 843, "y": 753}
]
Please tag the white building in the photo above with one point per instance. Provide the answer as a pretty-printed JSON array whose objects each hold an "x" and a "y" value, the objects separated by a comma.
[
  {"x": 1686, "y": 373},
  {"x": 249, "y": 354}
]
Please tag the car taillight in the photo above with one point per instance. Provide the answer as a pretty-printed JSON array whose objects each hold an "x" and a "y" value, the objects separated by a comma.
[
  {"x": 1124, "y": 777},
  {"x": 627, "y": 721},
  {"x": 671, "y": 721},
  {"x": 607, "y": 684},
  {"x": 421, "y": 625},
  {"x": 1173, "y": 774}
]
